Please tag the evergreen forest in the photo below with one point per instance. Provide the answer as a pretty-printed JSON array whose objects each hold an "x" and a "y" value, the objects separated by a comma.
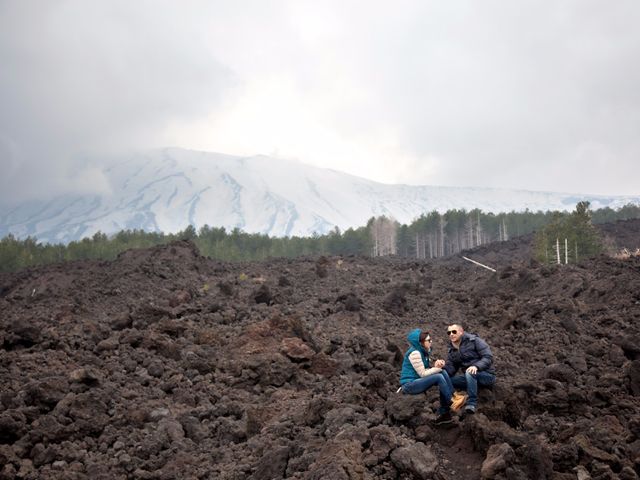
[{"x": 431, "y": 235}]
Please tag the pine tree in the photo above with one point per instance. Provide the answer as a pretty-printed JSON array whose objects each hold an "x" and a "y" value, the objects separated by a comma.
[{"x": 574, "y": 232}]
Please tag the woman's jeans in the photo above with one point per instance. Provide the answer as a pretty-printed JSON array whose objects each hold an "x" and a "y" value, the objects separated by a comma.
[
  {"x": 425, "y": 383},
  {"x": 470, "y": 383}
]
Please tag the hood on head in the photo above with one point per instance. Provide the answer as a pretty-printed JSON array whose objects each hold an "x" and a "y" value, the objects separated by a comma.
[{"x": 414, "y": 339}]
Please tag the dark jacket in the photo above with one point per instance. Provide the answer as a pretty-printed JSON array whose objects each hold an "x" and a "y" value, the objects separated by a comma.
[{"x": 473, "y": 352}]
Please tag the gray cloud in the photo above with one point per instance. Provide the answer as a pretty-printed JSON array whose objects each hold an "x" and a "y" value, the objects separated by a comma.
[
  {"x": 518, "y": 94},
  {"x": 532, "y": 95},
  {"x": 81, "y": 77}
]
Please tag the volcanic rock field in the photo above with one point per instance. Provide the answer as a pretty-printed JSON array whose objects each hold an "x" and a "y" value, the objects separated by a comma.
[{"x": 163, "y": 364}]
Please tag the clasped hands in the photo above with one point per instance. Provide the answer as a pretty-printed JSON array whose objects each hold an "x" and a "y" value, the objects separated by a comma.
[{"x": 440, "y": 364}]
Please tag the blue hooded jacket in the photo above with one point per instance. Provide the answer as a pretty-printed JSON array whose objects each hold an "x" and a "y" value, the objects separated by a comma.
[{"x": 408, "y": 373}]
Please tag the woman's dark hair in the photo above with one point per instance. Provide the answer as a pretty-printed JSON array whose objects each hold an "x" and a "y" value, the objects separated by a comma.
[{"x": 423, "y": 336}]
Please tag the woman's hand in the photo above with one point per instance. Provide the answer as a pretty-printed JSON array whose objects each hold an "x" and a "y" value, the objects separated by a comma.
[{"x": 439, "y": 363}]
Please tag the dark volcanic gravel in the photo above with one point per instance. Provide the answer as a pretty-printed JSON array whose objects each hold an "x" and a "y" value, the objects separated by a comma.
[{"x": 163, "y": 364}]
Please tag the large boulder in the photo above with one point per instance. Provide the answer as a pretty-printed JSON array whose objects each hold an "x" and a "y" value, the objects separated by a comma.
[
  {"x": 296, "y": 350},
  {"x": 401, "y": 407},
  {"x": 633, "y": 376},
  {"x": 415, "y": 459},
  {"x": 273, "y": 464},
  {"x": 339, "y": 460},
  {"x": 499, "y": 457}
]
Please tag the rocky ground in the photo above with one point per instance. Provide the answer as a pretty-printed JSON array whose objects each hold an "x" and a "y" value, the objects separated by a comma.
[{"x": 163, "y": 364}]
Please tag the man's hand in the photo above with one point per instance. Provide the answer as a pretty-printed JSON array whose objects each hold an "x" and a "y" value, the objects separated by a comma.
[
  {"x": 439, "y": 363},
  {"x": 472, "y": 370}
]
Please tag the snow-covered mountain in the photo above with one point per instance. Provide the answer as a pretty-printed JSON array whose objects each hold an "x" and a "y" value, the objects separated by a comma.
[{"x": 166, "y": 190}]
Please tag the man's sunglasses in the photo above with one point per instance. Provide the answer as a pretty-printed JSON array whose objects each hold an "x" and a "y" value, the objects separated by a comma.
[{"x": 452, "y": 332}]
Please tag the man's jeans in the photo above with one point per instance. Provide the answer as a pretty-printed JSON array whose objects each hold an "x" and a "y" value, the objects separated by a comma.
[
  {"x": 470, "y": 383},
  {"x": 423, "y": 384}
]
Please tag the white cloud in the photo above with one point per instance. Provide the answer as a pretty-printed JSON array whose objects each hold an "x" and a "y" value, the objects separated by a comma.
[{"x": 497, "y": 94}]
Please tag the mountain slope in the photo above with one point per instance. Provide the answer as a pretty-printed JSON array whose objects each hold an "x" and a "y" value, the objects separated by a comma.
[{"x": 166, "y": 190}]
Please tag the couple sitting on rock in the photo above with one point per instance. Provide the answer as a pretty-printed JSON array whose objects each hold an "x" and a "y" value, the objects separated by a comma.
[{"x": 467, "y": 352}]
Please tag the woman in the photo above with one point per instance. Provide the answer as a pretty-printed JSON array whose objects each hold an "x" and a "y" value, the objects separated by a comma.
[{"x": 417, "y": 376}]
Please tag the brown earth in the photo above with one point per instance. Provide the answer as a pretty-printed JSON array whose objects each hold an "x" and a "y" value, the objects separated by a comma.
[{"x": 163, "y": 364}]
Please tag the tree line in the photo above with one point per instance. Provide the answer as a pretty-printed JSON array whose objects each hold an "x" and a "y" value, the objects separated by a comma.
[{"x": 431, "y": 235}]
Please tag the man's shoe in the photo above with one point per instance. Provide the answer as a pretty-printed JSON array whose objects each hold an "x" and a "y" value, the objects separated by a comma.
[
  {"x": 458, "y": 400},
  {"x": 444, "y": 418},
  {"x": 469, "y": 410}
]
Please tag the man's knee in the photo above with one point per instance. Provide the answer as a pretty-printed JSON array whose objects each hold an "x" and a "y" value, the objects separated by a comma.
[{"x": 487, "y": 381}]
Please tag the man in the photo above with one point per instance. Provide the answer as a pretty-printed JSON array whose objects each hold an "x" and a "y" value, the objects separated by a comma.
[{"x": 473, "y": 356}]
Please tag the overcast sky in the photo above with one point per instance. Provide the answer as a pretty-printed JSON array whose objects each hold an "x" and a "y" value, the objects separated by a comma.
[{"x": 537, "y": 95}]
